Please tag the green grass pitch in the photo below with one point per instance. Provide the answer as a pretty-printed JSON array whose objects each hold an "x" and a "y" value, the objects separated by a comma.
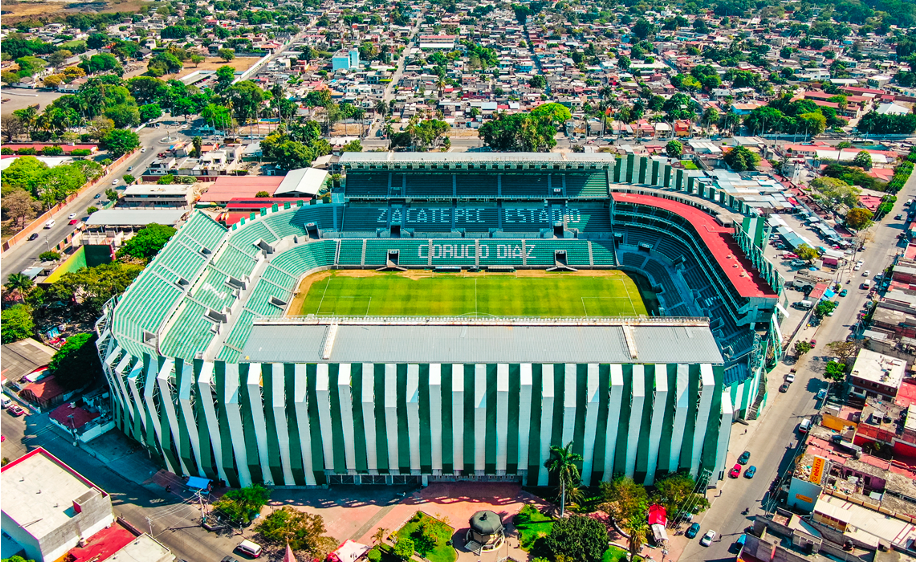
[{"x": 475, "y": 295}]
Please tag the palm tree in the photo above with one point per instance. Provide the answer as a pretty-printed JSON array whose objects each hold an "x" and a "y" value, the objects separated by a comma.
[
  {"x": 378, "y": 537},
  {"x": 562, "y": 462},
  {"x": 18, "y": 285}
]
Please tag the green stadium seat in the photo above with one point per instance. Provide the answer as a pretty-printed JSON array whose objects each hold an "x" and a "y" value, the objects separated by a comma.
[{"x": 603, "y": 253}]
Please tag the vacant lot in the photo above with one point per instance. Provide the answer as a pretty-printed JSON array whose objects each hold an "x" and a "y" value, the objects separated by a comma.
[
  {"x": 46, "y": 9},
  {"x": 530, "y": 294},
  {"x": 212, "y": 63}
]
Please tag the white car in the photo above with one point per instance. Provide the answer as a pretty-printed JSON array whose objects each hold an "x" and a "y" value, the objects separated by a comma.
[
  {"x": 859, "y": 262},
  {"x": 114, "y": 181},
  {"x": 143, "y": 150},
  {"x": 857, "y": 267},
  {"x": 71, "y": 216},
  {"x": 866, "y": 273},
  {"x": 708, "y": 538}
]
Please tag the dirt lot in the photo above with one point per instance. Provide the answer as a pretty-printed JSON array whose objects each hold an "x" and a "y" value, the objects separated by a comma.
[
  {"x": 212, "y": 63},
  {"x": 46, "y": 9}
]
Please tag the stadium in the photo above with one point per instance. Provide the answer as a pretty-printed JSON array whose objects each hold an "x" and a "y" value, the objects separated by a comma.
[{"x": 453, "y": 316}]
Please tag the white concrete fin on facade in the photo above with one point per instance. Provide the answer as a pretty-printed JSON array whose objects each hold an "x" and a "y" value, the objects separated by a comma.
[
  {"x": 524, "y": 414},
  {"x": 547, "y": 398},
  {"x": 615, "y": 401},
  {"x": 368, "y": 405},
  {"x": 435, "y": 415},
  {"x": 300, "y": 399},
  {"x": 502, "y": 417}
]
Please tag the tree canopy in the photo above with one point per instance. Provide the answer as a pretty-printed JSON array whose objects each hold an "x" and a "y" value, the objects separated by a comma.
[
  {"x": 240, "y": 505},
  {"x": 147, "y": 242},
  {"x": 76, "y": 363},
  {"x": 16, "y": 323},
  {"x": 302, "y": 531},
  {"x": 578, "y": 538}
]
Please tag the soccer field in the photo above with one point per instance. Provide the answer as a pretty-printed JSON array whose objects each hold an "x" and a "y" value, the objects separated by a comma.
[{"x": 582, "y": 294}]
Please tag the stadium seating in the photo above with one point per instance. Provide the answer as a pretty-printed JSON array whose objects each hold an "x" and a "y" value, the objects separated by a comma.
[
  {"x": 585, "y": 218},
  {"x": 238, "y": 336},
  {"x": 632, "y": 259},
  {"x": 672, "y": 248},
  {"x": 279, "y": 277},
  {"x": 695, "y": 278},
  {"x": 321, "y": 215},
  {"x": 233, "y": 261},
  {"x": 145, "y": 306},
  {"x": 203, "y": 230},
  {"x": 259, "y": 300},
  {"x": 586, "y": 185},
  {"x": 429, "y": 185},
  {"x": 247, "y": 235},
  {"x": 212, "y": 290},
  {"x": 543, "y": 252},
  {"x": 409, "y": 251},
  {"x": 428, "y": 217},
  {"x": 367, "y": 185},
  {"x": 303, "y": 257},
  {"x": 525, "y": 218},
  {"x": 190, "y": 332},
  {"x": 524, "y": 185},
  {"x": 476, "y": 185},
  {"x": 501, "y": 252},
  {"x": 364, "y": 219},
  {"x": 351, "y": 252},
  {"x": 476, "y": 217},
  {"x": 660, "y": 276},
  {"x": 603, "y": 253}
]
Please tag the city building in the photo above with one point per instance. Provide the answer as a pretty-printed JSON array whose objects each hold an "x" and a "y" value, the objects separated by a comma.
[
  {"x": 875, "y": 374},
  {"x": 345, "y": 60}
]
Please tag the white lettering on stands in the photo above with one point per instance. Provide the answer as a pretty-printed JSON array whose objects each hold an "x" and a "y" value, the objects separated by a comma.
[{"x": 467, "y": 251}]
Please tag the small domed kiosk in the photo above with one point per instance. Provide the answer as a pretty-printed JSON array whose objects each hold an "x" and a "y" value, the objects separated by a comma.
[{"x": 486, "y": 532}]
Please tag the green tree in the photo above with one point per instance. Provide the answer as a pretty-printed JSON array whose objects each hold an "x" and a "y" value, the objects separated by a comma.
[
  {"x": 147, "y": 242},
  {"x": 802, "y": 347},
  {"x": 674, "y": 149},
  {"x": 18, "y": 205},
  {"x": 92, "y": 287},
  {"x": 562, "y": 463},
  {"x": 16, "y": 323},
  {"x": 150, "y": 112},
  {"x": 128, "y": 179},
  {"x": 862, "y": 160},
  {"x": 832, "y": 192},
  {"x": 622, "y": 498},
  {"x": 845, "y": 351},
  {"x": 824, "y": 308},
  {"x": 226, "y": 54},
  {"x": 242, "y": 504},
  {"x": 676, "y": 491},
  {"x": 806, "y": 252},
  {"x": 858, "y": 218},
  {"x": 76, "y": 364},
  {"x": 49, "y": 256},
  {"x": 24, "y": 173},
  {"x": 741, "y": 159},
  {"x": 835, "y": 371},
  {"x": 197, "y": 143},
  {"x": 118, "y": 142},
  {"x": 578, "y": 539},
  {"x": 554, "y": 112},
  {"x": 352, "y": 146},
  {"x": 302, "y": 531},
  {"x": 18, "y": 285},
  {"x": 404, "y": 548},
  {"x": 167, "y": 179}
]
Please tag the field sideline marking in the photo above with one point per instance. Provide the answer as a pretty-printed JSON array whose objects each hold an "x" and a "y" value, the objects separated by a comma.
[{"x": 323, "y": 293}]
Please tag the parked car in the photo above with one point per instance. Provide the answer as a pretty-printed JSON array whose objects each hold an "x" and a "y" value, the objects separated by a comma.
[
  {"x": 33, "y": 236},
  {"x": 866, "y": 273},
  {"x": 784, "y": 387},
  {"x": 857, "y": 267},
  {"x": 97, "y": 195},
  {"x": 844, "y": 292},
  {"x": 735, "y": 471},
  {"x": 5, "y": 401},
  {"x": 74, "y": 221},
  {"x": 71, "y": 216},
  {"x": 692, "y": 531},
  {"x": 822, "y": 394},
  {"x": 790, "y": 378},
  {"x": 898, "y": 217},
  {"x": 804, "y": 426},
  {"x": 745, "y": 456},
  {"x": 15, "y": 410},
  {"x": 708, "y": 538},
  {"x": 750, "y": 472}
]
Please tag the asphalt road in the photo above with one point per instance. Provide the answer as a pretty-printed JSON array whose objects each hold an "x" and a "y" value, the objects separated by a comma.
[
  {"x": 24, "y": 254},
  {"x": 769, "y": 437},
  {"x": 174, "y": 519}
]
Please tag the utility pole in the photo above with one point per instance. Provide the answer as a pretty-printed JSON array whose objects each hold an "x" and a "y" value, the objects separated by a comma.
[{"x": 150, "y": 521}]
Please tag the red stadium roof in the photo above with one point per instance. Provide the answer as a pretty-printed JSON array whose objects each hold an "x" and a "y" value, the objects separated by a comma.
[
  {"x": 226, "y": 188},
  {"x": 717, "y": 238}
]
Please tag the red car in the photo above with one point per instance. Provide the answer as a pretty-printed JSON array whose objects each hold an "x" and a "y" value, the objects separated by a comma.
[
  {"x": 735, "y": 471},
  {"x": 74, "y": 221},
  {"x": 15, "y": 410}
]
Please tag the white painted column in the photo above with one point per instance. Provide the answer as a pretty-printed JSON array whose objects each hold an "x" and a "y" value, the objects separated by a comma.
[
  {"x": 323, "y": 396},
  {"x": 725, "y": 424},
  {"x": 300, "y": 399},
  {"x": 569, "y": 403},
  {"x": 502, "y": 417},
  {"x": 187, "y": 410},
  {"x": 149, "y": 388},
  {"x": 391, "y": 416},
  {"x": 659, "y": 407},
  {"x": 615, "y": 400},
  {"x": 435, "y": 415},
  {"x": 524, "y": 414},
  {"x": 368, "y": 404},
  {"x": 233, "y": 402},
  {"x": 592, "y": 404},
  {"x": 707, "y": 384},
  {"x": 256, "y": 403},
  {"x": 458, "y": 416},
  {"x": 345, "y": 398},
  {"x": 118, "y": 376},
  {"x": 637, "y": 403},
  {"x": 547, "y": 396},
  {"x": 681, "y": 406},
  {"x": 205, "y": 391},
  {"x": 413, "y": 416},
  {"x": 279, "y": 410},
  {"x": 167, "y": 401},
  {"x": 480, "y": 417},
  {"x": 135, "y": 391}
]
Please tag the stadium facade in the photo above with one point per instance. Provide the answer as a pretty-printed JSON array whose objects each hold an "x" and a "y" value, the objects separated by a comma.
[{"x": 211, "y": 373}]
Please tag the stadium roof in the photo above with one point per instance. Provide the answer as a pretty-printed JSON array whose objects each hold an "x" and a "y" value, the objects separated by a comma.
[
  {"x": 717, "y": 238},
  {"x": 435, "y": 341},
  {"x": 348, "y": 158}
]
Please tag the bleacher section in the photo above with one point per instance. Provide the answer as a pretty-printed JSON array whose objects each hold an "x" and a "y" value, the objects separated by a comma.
[
  {"x": 321, "y": 215},
  {"x": 525, "y": 218},
  {"x": 501, "y": 252},
  {"x": 365, "y": 219},
  {"x": 430, "y": 217},
  {"x": 542, "y": 252},
  {"x": 351, "y": 252},
  {"x": 367, "y": 185},
  {"x": 585, "y": 218},
  {"x": 586, "y": 185},
  {"x": 477, "y": 217},
  {"x": 278, "y": 277},
  {"x": 282, "y": 224},
  {"x": 476, "y": 185},
  {"x": 189, "y": 333},
  {"x": 603, "y": 253},
  {"x": 212, "y": 291},
  {"x": 411, "y": 252},
  {"x": 234, "y": 262},
  {"x": 303, "y": 257},
  {"x": 524, "y": 185},
  {"x": 631, "y": 259},
  {"x": 660, "y": 276},
  {"x": 245, "y": 236},
  {"x": 429, "y": 185}
]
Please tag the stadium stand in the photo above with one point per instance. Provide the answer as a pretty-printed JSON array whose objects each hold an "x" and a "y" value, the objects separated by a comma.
[
  {"x": 660, "y": 276},
  {"x": 524, "y": 218},
  {"x": 476, "y": 185},
  {"x": 524, "y": 185},
  {"x": 367, "y": 185},
  {"x": 429, "y": 185},
  {"x": 190, "y": 332},
  {"x": 234, "y": 262},
  {"x": 245, "y": 236},
  {"x": 351, "y": 252},
  {"x": 501, "y": 252},
  {"x": 479, "y": 217},
  {"x": 603, "y": 253},
  {"x": 586, "y": 185},
  {"x": 585, "y": 218},
  {"x": 279, "y": 277},
  {"x": 301, "y": 258},
  {"x": 429, "y": 217},
  {"x": 365, "y": 218},
  {"x": 321, "y": 215},
  {"x": 632, "y": 259},
  {"x": 542, "y": 252}
]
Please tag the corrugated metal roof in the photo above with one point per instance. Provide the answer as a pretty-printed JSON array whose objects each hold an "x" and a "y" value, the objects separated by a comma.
[
  {"x": 135, "y": 217},
  {"x": 475, "y": 157},
  {"x": 481, "y": 344}
]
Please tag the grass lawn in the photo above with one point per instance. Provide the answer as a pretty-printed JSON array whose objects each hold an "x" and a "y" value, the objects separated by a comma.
[
  {"x": 531, "y": 525},
  {"x": 689, "y": 165},
  {"x": 533, "y": 294},
  {"x": 440, "y": 551},
  {"x": 614, "y": 554}
]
